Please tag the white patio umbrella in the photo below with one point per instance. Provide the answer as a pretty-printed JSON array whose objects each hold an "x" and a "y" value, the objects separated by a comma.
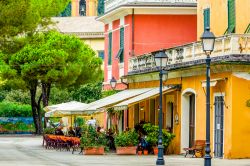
[{"x": 69, "y": 108}]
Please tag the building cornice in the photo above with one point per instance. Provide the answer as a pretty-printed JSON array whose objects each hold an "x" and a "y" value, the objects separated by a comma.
[{"x": 124, "y": 10}]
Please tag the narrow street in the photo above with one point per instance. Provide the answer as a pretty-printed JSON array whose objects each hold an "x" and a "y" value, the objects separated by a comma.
[{"x": 28, "y": 151}]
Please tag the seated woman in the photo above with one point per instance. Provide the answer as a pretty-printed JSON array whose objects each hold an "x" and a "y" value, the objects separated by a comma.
[
  {"x": 71, "y": 132},
  {"x": 59, "y": 131}
]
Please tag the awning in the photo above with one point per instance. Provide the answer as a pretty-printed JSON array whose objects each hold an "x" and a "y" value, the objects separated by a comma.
[
  {"x": 213, "y": 82},
  {"x": 114, "y": 99},
  {"x": 243, "y": 75},
  {"x": 152, "y": 93},
  {"x": 69, "y": 108}
]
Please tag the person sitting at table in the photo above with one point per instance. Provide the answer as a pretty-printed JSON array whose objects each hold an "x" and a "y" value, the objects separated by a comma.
[
  {"x": 71, "y": 132},
  {"x": 59, "y": 131},
  {"x": 78, "y": 132}
]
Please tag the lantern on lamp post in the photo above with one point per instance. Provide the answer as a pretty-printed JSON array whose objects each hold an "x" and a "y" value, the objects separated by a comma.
[{"x": 113, "y": 83}]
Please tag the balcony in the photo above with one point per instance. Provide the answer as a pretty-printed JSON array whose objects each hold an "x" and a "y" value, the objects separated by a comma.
[
  {"x": 230, "y": 48},
  {"x": 112, "y": 4}
]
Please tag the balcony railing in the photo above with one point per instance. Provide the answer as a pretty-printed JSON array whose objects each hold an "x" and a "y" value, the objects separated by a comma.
[
  {"x": 111, "y": 4},
  {"x": 178, "y": 56}
]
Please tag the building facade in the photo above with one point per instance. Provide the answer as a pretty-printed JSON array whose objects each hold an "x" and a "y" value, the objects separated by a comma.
[
  {"x": 138, "y": 27},
  {"x": 184, "y": 103},
  {"x": 89, "y": 30}
]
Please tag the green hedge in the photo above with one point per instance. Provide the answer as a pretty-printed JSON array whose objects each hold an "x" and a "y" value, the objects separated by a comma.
[{"x": 9, "y": 109}]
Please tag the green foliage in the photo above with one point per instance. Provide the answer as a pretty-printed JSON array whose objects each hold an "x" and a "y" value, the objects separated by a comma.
[
  {"x": 80, "y": 121},
  {"x": 127, "y": 138},
  {"x": 152, "y": 132},
  {"x": 8, "y": 109},
  {"x": 19, "y": 96},
  {"x": 108, "y": 93},
  {"x": 16, "y": 127},
  {"x": 67, "y": 11},
  {"x": 100, "y": 7},
  {"x": 90, "y": 138},
  {"x": 88, "y": 93},
  {"x": 49, "y": 131},
  {"x": 59, "y": 95},
  {"x": 23, "y": 17}
]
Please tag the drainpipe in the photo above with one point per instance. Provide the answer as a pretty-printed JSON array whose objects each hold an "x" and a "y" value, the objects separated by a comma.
[{"x": 133, "y": 33}]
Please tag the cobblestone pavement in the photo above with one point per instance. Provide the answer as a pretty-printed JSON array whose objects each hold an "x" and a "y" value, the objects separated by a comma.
[{"x": 28, "y": 151}]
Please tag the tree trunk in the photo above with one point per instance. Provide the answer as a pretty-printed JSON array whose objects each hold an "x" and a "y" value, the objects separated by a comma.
[
  {"x": 45, "y": 97},
  {"x": 36, "y": 110}
]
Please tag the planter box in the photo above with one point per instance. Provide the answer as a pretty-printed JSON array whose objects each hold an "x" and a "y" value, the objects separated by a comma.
[
  {"x": 126, "y": 150},
  {"x": 94, "y": 151}
]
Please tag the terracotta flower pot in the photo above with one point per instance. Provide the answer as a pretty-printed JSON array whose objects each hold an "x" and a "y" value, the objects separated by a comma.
[
  {"x": 155, "y": 150},
  {"x": 94, "y": 151},
  {"x": 126, "y": 150},
  {"x": 145, "y": 152},
  {"x": 139, "y": 152}
]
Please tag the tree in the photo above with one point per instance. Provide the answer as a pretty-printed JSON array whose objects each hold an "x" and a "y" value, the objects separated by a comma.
[
  {"x": 50, "y": 58},
  {"x": 23, "y": 17},
  {"x": 88, "y": 93},
  {"x": 100, "y": 7}
]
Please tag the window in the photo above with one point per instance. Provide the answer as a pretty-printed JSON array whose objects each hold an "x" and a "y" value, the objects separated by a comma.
[
  {"x": 120, "y": 53},
  {"x": 101, "y": 54},
  {"x": 82, "y": 8},
  {"x": 231, "y": 16},
  {"x": 110, "y": 49},
  {"x": 206, "y": 15}
]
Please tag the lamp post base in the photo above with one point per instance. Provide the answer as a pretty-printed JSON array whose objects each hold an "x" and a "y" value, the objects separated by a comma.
[{"x": 160, "y": 161}]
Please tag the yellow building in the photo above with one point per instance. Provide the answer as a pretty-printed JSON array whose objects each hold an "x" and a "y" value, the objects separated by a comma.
[
  {"x": 184, "y": 109},
  {"x": 184, "y": 99},
  {"x": 89, "y": 30},
  {"x": 84, "y": 7},
  {"x": 226, "y": 16}
]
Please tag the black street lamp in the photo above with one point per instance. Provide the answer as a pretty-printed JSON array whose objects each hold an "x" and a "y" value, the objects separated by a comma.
[
  {"x": 208, "y": 40},
  {"x": 113, "y": 83},
  {"x": 161, "y": 61}
]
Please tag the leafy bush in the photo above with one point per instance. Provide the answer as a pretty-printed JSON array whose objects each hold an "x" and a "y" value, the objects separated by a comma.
[
  {"x": 8, "y": 109},
  {"x": 49, "y": 131},
  {"x": 152, "y": 132},
  {"x": 80, "y": 121},
  {"x": 90, "y": 138},
  {"x": 127, "y": 138}
]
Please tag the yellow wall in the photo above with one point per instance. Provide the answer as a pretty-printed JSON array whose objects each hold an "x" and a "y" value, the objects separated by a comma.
[
  {"x": 241, "y": 119},
  {"x": 91, "y": 8},
  {"x": 235, "y": 92},
  {"x": 219, "y": 18},
  {"x": 95, "y": 43},
  {"x": 100, "y": 118}
]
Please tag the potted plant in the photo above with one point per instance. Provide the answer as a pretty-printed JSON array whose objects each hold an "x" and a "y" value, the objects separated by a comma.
[
  {"x": 93, "y": 143},
  {"x": 126, "y": 142},
  {"x": 152, "y": 134}
]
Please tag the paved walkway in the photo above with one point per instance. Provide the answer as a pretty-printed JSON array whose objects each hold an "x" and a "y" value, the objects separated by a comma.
[{"x": 27, "y": 151}]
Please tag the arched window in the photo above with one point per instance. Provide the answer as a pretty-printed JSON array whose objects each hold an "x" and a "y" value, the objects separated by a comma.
[{"x": 82, "y": 8}]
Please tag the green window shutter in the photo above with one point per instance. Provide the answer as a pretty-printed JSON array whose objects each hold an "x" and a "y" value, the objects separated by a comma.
[
  {"x": 206, "y": 15},
  {"x": 231, "y": 16},
  {"x": 248, "y": 29},
  {"x": 121, "y": 44},
  {"x": 110, "y": 49}
]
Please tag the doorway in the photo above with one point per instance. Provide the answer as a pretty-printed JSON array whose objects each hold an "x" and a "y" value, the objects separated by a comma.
[
  {"x": 218, "y": 126},
  {"x": 170, "y": 117},
  {"x": 188, "y": 118}
]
